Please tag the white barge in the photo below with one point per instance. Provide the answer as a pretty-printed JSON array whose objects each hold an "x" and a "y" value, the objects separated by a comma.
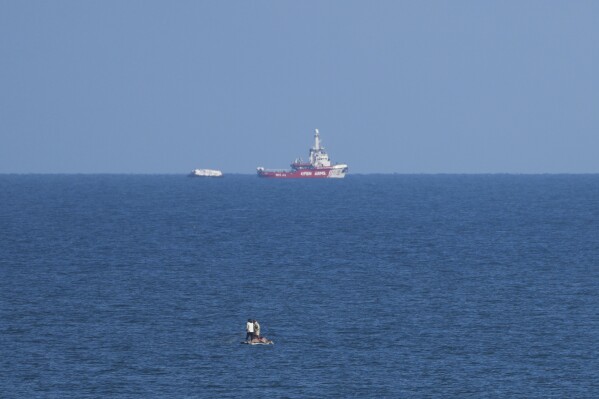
[{"x": 206, "y": 173}]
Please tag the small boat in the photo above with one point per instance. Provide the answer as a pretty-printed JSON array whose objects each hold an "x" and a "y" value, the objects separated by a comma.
[
  {"x": 206, "y": 173},
  {"x": 258, "y": 341}
]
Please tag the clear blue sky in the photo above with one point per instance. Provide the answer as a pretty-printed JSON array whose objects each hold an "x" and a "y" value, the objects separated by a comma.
[{"x": 393, "y": 86}]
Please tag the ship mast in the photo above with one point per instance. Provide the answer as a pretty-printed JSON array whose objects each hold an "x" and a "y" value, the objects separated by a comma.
[{"x": 316, "y": 140}]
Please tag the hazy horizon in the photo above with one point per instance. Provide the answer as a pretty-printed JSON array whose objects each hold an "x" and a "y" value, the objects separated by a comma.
[{"x": 254, "y": 174}]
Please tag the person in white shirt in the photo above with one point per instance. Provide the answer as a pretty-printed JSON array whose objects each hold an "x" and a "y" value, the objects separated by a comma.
[
  {"x": 256, "y": 329},
  {"x": 249, "y": 330}
]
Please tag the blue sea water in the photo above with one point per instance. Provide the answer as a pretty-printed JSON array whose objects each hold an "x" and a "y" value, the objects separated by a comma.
[{"x": 414, "y": 286}]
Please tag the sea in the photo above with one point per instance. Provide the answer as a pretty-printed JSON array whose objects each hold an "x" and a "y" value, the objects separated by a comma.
[{"x": 372, "y": 286}]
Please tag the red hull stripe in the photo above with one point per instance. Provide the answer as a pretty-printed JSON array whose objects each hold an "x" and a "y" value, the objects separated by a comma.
[{"x": 296, "y": 174}]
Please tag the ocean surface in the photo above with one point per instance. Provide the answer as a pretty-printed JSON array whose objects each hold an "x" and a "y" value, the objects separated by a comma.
[{"x": 386, "y": 286}]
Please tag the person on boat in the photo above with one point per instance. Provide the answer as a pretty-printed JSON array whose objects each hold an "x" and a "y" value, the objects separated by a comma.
[
  {"x": 249, "y": 330},
  {"x": 252, "y": 337},
  {"x": 256, "y": 329}
]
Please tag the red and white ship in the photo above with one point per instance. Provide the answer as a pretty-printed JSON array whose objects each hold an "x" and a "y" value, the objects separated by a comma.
[{"x": 318, "y": 166}]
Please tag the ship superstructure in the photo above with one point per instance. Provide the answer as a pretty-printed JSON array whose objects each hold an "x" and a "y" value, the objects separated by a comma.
[{"x": 318, "y": 165}]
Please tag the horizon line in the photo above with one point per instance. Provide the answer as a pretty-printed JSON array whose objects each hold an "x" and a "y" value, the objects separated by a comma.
[{"x": 254, "y": 174}]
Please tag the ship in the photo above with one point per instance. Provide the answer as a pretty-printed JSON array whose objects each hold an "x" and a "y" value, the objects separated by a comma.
[
  {"x": 318, "y": 166},
  {"x": 206, "y": 173}
]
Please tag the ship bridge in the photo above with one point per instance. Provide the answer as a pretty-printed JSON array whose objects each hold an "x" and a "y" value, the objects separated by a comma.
[{"x": 318, "y": 156}]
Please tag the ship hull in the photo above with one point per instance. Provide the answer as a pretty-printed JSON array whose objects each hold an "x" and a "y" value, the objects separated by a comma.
[{"x": 323, "y": 173}]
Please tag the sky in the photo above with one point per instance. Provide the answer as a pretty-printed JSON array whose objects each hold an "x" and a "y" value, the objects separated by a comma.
[{"x": 393, "y": 86}]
